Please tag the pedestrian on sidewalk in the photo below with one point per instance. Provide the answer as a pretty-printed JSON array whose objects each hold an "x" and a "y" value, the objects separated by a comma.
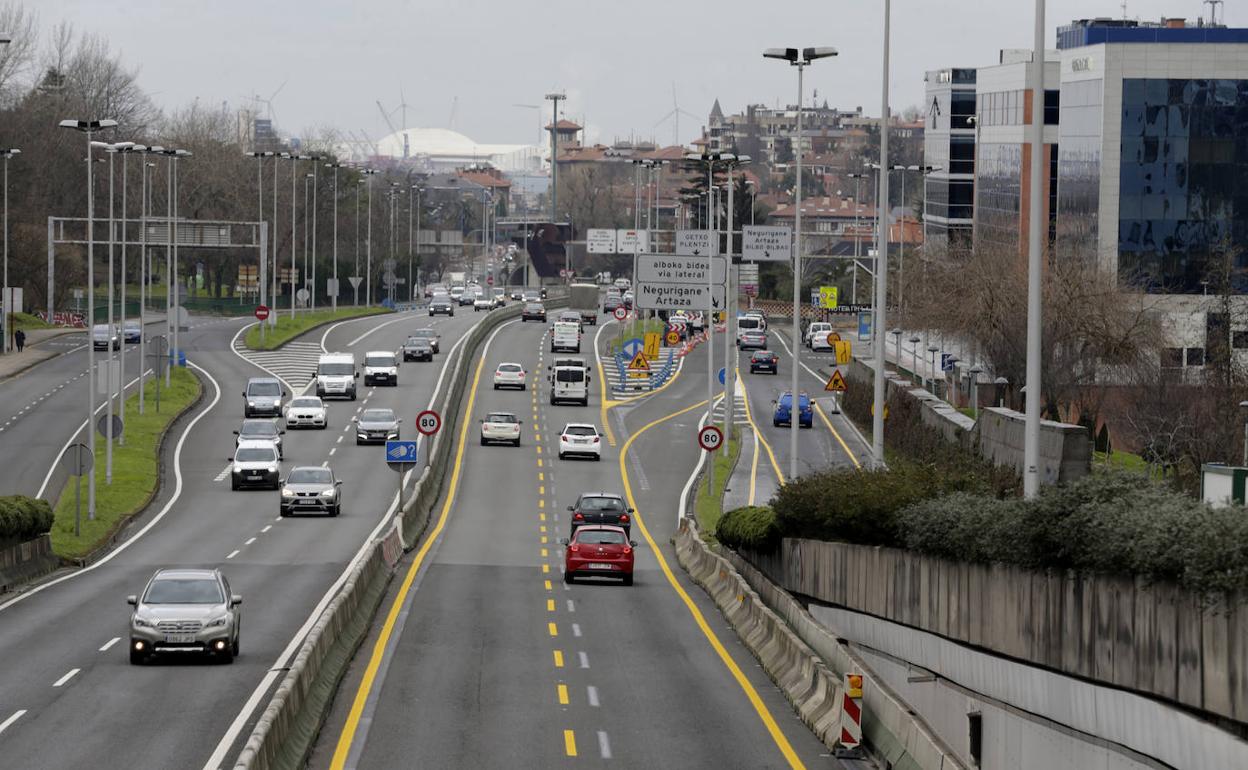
[{"x": 20, "y": 338}]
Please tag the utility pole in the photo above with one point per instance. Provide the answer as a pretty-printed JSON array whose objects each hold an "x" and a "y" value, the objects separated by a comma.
[
  {"x": 1035, "y": 246},
  {"x": 879, "y": 322}
]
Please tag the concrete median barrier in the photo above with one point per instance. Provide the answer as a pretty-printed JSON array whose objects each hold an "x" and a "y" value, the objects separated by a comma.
[{"x": 287, "y": 729}]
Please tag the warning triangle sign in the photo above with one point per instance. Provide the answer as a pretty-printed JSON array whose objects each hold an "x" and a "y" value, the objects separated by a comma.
[
  {"x": 639, "y": 363},
  {"x": 836, "y": 382}
]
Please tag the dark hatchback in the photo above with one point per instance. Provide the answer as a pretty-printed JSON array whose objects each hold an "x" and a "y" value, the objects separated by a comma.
[
  {"x": 764, "y": 361},
  {"x": 601, "y": 508}
]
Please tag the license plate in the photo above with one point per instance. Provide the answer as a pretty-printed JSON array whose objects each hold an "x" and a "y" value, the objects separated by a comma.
[
  {"x": 255, "y": 474},
  {"x": 179, "y": 638},
  {"x": 601, "y": 566}
]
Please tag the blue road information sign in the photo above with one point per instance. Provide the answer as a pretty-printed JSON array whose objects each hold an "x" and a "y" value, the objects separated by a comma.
[
  {"x": 633, "y": 347},
  {"x": 722, "y": 374},
  {"x": 864, "y": 326},
  {"x": 401, "y": 452},
  {"x": 946, "y": 362}
]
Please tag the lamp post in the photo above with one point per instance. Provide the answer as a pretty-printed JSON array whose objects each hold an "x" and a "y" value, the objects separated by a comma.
[
  {"x": 1035, "y": 244},
  {"x": 307, "y": 182},
  {"x": 800, "y": 59},
  {"x": 90, "y": 127},
  {"x": 857, "y": 232},
  {"x": 369, "y": 173},
  {"x": 1001, "y": 384},
  {"x": 262, "y": 279},
  {"x": 173, "y": 302},
  {"x": 111, "y": 150},
  {"x": 144, "y": 289},
  {"x": 333, "y": 296},
  {"x": 126, "y": 149},
  {"x": 730, "y": 315},
  {"x": 880, "y": 321},
  {"x": 914, "y": 358},
  {"x": 294, "y": 197},
  {"x": 931, "y": 351},
  {"x": 1243, "y": 407},
  {"x": 975, "y": 371},
  {"x": 5, "y": 345},
  {"x": 273, "y": 237},
  {"x": 896, "y": 343},
  {"x": 314, "y": 199}
]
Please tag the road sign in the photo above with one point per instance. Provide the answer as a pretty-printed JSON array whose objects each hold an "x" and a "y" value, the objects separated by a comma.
[
  {"x": 600, "y": 240},
  {"x": 620, "y": 313},
  {"x": 710, "y": 438},
  {"x": 827, "y": 297},
  {"x": 302, "y": 295},
  {"x": 697, "y": 243},
  {"x": 723, "y": 374},
  {"x": 947, "y": 361},
  {"x": 673, "y": 337},
  {"x": 836, "y": 383},
  {"x": 103, "y": 424},
  {"x": 77, "y": 460},
  {"x": 428, "y": 422},
  {"x": 331, "y": 287},
  {"x": 628, "y": 241},
  {"x": 651, "y": 347},
  {"x": 639, "y": 362},
  {"x": 833, "y": 338},
  {"x": 674, "y": 282},
  {"x": 657, "y": 296},
  {"x": 864, "y": 326},
  {"x": 262, "y": 312},
  {"x": 107, "y": 377},
  {"x": 761, "y": 243},
  {"x": 872, "y": 410},
  {"x": 401, "y": 455},
  {"x": 747, "y": 279},
  {"x": 632, "y": 347},
  {"x": 355, "y": 281},
  {"x": 844, "y": 351}
]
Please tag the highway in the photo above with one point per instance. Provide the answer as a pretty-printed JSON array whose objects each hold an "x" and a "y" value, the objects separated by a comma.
[
  {"x": 75, "y": 701},
  {"x": 482, "y": 657}
]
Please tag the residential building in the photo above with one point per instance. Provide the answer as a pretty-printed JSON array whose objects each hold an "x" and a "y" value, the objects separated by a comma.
[
  {"x": 949, "y": 147},
  {"x": 769, "y": 135}
]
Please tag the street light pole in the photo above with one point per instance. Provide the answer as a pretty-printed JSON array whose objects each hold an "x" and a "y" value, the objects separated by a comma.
[
  {"x": 8, "y": 320},
  {"x": 262, "y": 279},
  {"x": 89, "y": 127},
  {"x": 273, "y": 235},
  {"x": 881, "y": 275},
  {"x": 1035, "y": 394},
  {"x": 801, "y": 60},
  {"x": 314, "y": 199},
  {"x": 125, "y": 148},
  {"x": 333, "y": 297},
  {"x": 857, "y": 233},
  {"x": 145, "y": 208},
  {"x": 369, "y": 173}
]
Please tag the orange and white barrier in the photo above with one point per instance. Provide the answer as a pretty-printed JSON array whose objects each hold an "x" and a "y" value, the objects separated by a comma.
[{"x": 850, "y": 743}]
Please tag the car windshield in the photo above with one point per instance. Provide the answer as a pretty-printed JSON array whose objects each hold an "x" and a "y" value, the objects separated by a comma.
[
  {"x": 599, "y": 537},
  {"x": 417, "y": 341},
  {"x": 601, "y": 504},
  {"x": 502, "y": 417},
  {"x": 311, "y": 476},
  {"x": 255, "y": 455},
  {"x": 580, "y": 430},
  {"x": 344, "y": 369},
  {"x": 306, "y": 403},
  {"x": 259, "y": 428},
  {"x": 533, "y": 306},
  {"x": 569, "y": 375},
  {"x": 100, "y": 328},
  {"x": 264, "y": 389},
  {"x": 379, "y": 361},
  {"x": 377, "y": 415},
  {"x": 509, "y": 368},
  {"x": 424, "y": 333},
  {"x": 184, "y": 591}
]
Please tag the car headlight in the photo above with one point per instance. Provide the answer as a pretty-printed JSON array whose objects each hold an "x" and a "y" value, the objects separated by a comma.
[
  {"x": 140, "y": 622},
  {"x": 330, "y": 493},
  {"x": 217, "y": 622},
  {"x": 287, "y": 492},
  {"x": 251, "y": 403},
  {"x": 272, "y": 469}
]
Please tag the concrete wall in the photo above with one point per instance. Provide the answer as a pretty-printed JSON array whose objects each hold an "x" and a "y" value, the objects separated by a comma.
[
  {"x": 20, "y": 562},
  {"x": 1152, "y": 639}
]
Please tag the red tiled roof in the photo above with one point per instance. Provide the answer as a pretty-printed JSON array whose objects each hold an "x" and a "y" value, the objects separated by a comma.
[
  {"x": 827, "y": 208},
  {"x": 565, "y": 125}
]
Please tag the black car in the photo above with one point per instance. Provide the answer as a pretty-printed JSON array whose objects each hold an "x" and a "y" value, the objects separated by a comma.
[
  {"x": 533, "y": 311},
  {"x": 764, "y": 361},
  {"x": 417, "y": 349},
  {"x": 441, "y": 303},
  {"x": 601, "y": 508}
]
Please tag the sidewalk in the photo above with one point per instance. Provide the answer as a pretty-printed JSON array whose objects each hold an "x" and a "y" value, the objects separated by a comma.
[{"x": 15, "y": 363}]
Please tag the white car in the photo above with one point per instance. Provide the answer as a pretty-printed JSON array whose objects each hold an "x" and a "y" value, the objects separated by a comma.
[
  {"x": 307, "y": 412},
  {"x": 509, "y": 375},
  {"x": 817, "y": 336},
  {"x": 482, "y": 302},
  {"x": 580, "y": 438},
  {"x": 500, "y": 427},
  {"x": 381, "y": 367}
]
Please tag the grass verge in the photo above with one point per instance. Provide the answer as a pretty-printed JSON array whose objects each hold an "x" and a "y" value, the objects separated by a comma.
[
  {"x": 709, "y": 504},
  {"x": 288, "y": 328},
  {"x": 1121, "y": 460},
  {"x": 26, "y": 322},
  {"x": 135, "y": 469}
]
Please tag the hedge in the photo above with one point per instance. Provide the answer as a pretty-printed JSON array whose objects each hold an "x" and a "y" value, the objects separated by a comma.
[
  {"x": 752, "y": 526},
  {"x": 1111, "y": 523},
  {"x": 23, "y": 518}
]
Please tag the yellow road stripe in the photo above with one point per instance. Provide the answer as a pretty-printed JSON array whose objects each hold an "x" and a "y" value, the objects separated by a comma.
[
  {"x": 537, "y": 437},
  {"x": 569, "y": 743},
  {"x": 387, "y": 629},
  {"x": 539, "y": 462},
  {"x": 544, "y": 542},
  {"x": 541, "y": 504},
  {"x": 541, "y": 490},
  {"x": 548, "y": 586},
  {"x": 541, "y": 477},
  {"x": 558, "y": 659},
  {"x": 550, "y": 605},
  {"x": 539, "y": 451},
  {"x": 541, "y": 516},
  {"x": 839, "y": 440},
  {"x": 563, "y": 695},
  {"x": 764, "y": 714},
  {"x": 542, "y": 527},
  {"x": 546, "y": 569},
  {"x": 553, "y": 629}
]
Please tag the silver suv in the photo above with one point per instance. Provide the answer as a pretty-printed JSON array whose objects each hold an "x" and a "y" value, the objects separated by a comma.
[
  {"x": 185, "y": 610},
  {"x": 263, "y": 397}
]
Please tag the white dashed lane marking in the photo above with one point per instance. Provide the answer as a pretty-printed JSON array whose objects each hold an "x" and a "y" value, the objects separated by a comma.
[
  {"x": 110, "y": 643},
  {"x": 66, "y": 678}
]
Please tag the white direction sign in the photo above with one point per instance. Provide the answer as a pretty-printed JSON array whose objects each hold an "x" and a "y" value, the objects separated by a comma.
[
  {"x": 697, "y": 242},
  {"x": 629, "y": 241},
  {"x": 765, "y": 243},
  {"x": 599, "y": 240},
  {"x": 676, "y": 269},
  {"x": 678, "y": 296}
]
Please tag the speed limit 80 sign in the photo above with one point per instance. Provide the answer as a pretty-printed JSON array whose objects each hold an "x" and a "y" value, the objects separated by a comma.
[
  {"x": 710, "y": 438},
  {"x": 428, "y": 422}
]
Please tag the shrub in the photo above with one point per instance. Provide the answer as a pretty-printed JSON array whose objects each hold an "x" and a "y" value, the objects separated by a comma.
[
  {"x": 753, "y": 527},
  {"x": 23, "y": 518}
]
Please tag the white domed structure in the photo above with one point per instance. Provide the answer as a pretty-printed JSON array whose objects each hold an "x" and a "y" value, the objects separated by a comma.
[{"x": 443, "y": 149}]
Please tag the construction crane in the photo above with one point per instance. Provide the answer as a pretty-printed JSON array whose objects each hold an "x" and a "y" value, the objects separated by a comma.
[{"x": 386, "y": 117}]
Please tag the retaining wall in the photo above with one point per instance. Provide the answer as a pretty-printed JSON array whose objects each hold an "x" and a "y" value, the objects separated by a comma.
[{"x": 24, "y": 561}]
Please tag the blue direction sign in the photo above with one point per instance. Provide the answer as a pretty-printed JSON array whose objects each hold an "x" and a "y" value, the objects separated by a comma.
[
  {"x": 633, "y": 347},
  {"x": 401, "y": 453},
  {"x": 722, "y": 375}
]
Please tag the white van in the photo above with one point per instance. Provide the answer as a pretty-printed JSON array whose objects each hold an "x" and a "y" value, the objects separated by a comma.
[
  {"x": 569, "y": 383},
  {"x": 381, "y": 367},
  {"x": 817, "y": 335},
  {"x": 336, "y": 375},
  {"x": 750, "y": 323},
  {"x": 565, "y": 336}
]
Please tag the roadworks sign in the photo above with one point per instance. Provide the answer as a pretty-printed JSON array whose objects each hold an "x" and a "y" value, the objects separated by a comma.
[
  {"x": 836, "y": 383},
  {"x": 639, "y": 366}
]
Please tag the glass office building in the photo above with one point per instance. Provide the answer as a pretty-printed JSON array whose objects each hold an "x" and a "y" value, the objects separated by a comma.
[{"x": 949, "y": 146}]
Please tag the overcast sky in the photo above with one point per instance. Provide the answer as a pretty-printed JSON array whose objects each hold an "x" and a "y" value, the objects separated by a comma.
[{"x": 464, "y": 64}]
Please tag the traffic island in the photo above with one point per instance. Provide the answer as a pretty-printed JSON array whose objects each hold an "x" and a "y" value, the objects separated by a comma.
[
  {"x": 708, "y": 506},
  {"x": 136, "y": 470},
  {"x": 287, "y": 328}
]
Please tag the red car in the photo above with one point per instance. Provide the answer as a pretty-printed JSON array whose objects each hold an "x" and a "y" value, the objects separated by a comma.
[{"x": 598, "y": 551}]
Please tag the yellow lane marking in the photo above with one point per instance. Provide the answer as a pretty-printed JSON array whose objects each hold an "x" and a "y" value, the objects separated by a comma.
[
  {"x": 541, "y": 504},
  {"x": 550, "y": 605},
  {"x": 541, "y": 516},
  {"x": 544, "y": 542},
  {"x": 537, "y": 437},
  {"x": 548, "y": 587},
  {"x": 542, "y": 527},
  {"x": 541, "y": 477},
  {"x": 764, "y": 714},
  {"x": 379, "y": 647},
  {"x": 541, "y": 490},
  {"x": 839, "y": 440},
  {"x": 749, "y": 416},
  {"x": 563, "y": 695},
  {"x": 569, "y": 743},
  {"x": 539, "y": 451},
  {"x": 546, "y": 569},
  {"x": 539, "y": 462},
  {"x": 553, "y": 629},
  {"x": 558, "y": 659}
]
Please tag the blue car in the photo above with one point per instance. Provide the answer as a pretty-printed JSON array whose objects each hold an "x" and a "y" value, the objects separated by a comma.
[{"x": 784, "y": 408}]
